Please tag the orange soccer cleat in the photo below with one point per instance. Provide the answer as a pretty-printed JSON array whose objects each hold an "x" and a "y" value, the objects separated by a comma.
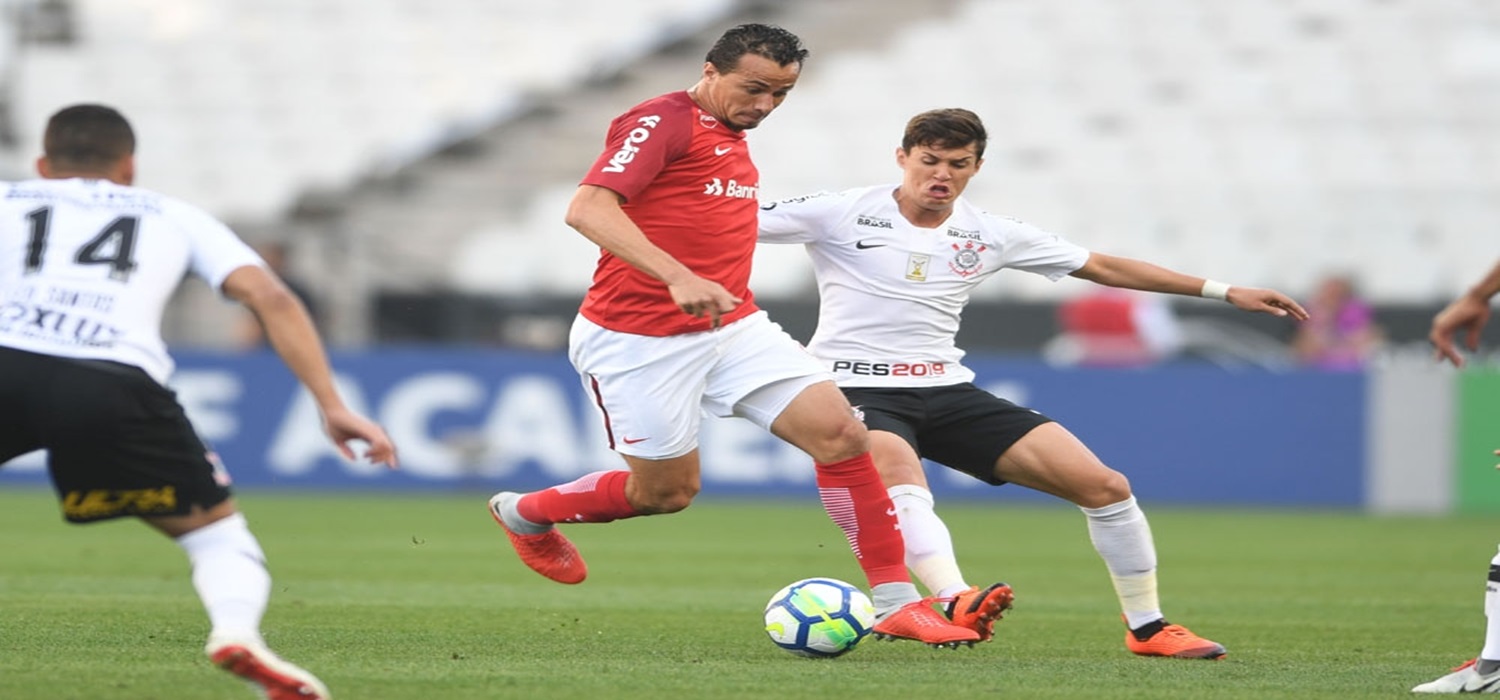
[
  {"x": 917, "y": 620},
  {"x": 979, "y": 609},
  {"x": 548, "y": 553},
  {"x": 1162, "y": 638},
  {"x": 273, "y": 676}
]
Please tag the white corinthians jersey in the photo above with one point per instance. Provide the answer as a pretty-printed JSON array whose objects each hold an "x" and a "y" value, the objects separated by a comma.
[
  {"x": 891, "y": 293},
  {"x": 87, "y": 267}
]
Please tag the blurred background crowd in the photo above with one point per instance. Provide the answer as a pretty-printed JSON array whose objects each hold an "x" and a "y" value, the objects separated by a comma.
[{"x": 406, "y": 163}]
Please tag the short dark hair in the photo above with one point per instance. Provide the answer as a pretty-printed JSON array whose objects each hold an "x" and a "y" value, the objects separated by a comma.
[
  {"x": 764, "y": 40},
  {"x": 87, "y": 137},
  {"x": 945, "y": 128}
]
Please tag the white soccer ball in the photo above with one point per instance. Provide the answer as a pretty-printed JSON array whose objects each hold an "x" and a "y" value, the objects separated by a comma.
[{"x": 819, "y": 617}]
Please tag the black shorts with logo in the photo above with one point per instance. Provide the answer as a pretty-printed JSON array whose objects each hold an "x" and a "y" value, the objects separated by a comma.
[
  {"x": 119, "y": 443},
  {"x": 959, "y": 426}
]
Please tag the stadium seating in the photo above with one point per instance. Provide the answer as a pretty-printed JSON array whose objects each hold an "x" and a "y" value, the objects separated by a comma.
[
  {"x": 1263, "y": 142},
  {"x": 1244, "y": 140},
  {"x": 313, "y": 95},
  {"x": 1259, "y": 142}
]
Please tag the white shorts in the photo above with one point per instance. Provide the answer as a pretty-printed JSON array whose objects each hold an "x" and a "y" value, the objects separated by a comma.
[{"x": 652, "y": 391}]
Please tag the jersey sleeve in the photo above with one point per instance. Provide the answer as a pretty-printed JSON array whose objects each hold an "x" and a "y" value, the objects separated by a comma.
[
  {"x": 641, "y": 142},
  {"x": 798, "y": 219},
  {"x": 215, "y": 250},
  {"x": 1034, "y": 250}
]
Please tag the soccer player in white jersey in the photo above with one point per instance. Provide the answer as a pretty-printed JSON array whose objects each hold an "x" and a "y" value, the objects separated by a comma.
[
  {"x": 87, "y": 264},
  {"x": 1468, "y": 315},
  {"x": 895, "y": 265}
]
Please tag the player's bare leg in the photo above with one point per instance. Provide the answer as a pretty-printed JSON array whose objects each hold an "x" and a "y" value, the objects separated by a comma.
[{"x": 1052, "y": 460}]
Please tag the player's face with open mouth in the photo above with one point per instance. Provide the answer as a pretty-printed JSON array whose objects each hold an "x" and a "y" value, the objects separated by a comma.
[{"x": 934, "y": 177}]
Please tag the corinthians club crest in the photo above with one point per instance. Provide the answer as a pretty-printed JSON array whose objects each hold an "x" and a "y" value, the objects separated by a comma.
[{"x": 966, "y": 260}]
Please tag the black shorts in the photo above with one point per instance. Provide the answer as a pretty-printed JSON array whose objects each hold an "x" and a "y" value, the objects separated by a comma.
[
  {"x": 118, "y": 443},
  {"x": 959, "y": 426}
]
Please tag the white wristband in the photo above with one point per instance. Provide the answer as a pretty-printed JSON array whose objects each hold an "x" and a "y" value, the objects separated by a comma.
[{"x": 1214, "y": 290}]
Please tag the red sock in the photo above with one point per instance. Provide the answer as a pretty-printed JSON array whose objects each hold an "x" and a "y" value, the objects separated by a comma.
[
  {"x": 592, "y": 498},
  {"x": 857, "y": 501}
]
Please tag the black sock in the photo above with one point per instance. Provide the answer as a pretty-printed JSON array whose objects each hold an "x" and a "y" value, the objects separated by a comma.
[{"x": 1148, "y": 630}]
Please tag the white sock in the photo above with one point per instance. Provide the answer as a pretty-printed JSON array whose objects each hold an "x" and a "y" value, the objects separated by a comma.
[
  {"x": 889, "y": 597},
  {"x": 1122, "y": 537},
  {"x": 929, "y": 546},
  {"x": 229, "y": 572},
  {"x": 1492, "y": 613}
]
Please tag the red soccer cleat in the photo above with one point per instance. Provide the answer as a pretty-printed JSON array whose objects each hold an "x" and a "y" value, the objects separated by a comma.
[
  {"x": 979, "y": 609},
  {"x": 549, "y": 553},
  {"x": 917, "y": 620}
]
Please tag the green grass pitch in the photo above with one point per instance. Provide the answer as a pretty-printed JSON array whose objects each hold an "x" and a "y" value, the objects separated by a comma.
[{"x": 390, "y": 597}]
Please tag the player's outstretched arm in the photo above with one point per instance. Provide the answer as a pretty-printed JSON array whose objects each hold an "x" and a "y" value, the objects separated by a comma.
[
  {"x": 1268, "y": 301},
  {"x": 1129, "y": 273},
  {"x": 595, "y": 212},
  {"x": 292, "y": 335},
  {"x": 1468, "y": 314}
]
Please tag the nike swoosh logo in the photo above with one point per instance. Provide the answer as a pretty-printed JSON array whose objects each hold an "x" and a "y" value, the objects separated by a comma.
[
  {"x": 890, "y": 511},
  {"x": 632, "y": 441},
  {"x": 721, "y": 150},
  {"x": 1482, "y": 687},
  {"x": 866, "y": 246}
]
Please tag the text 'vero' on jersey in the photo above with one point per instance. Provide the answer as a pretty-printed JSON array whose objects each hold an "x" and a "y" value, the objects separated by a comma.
[
  {"x": 87, "y": 267},
  {"x": 689, "y": 184},
  {"x": 891, "y": 293}
]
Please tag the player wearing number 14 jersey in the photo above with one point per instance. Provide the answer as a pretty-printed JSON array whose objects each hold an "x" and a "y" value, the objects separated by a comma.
[
  {"x": 87, "y": 264},
  {"x": 895, "y": 265}
]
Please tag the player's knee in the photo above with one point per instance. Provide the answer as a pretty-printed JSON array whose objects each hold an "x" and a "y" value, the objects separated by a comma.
[
  {"x": 845, "y": 440},
  {"x": 894, "y": 472},
  {"x": 1109, "y": 488},
  {"x": 665, "y": 500}
]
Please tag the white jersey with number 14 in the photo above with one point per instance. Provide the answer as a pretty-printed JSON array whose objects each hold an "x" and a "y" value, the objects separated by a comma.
[
  {"x": 891, "y": 293},
  {"x": 87, "y": 267}
]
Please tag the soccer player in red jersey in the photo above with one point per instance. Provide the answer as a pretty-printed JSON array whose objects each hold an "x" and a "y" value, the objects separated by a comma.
[{"x": 669, "y": 329}]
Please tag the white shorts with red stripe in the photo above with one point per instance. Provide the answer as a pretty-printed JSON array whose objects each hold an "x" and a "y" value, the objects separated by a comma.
[{"x": 652, "y": 391}]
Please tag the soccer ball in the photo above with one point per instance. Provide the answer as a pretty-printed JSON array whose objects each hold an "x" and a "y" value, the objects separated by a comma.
[{"x": 819, "y": 617}]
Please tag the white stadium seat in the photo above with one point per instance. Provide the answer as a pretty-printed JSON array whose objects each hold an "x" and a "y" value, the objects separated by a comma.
[{"x": 1237, "y": 139}]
